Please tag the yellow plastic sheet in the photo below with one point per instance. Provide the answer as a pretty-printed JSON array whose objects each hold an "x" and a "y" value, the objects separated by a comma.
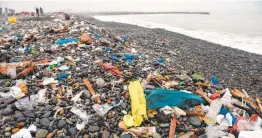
[
  {"x": 138, "y": 102},
  {"x": 12, "y": 19}
]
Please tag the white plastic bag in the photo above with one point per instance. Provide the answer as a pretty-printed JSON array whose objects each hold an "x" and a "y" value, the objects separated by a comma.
[
  {"x": 11, "y": 71},
  {"x": 102, "y": 109},
  {"x": 26, "y": 104}
]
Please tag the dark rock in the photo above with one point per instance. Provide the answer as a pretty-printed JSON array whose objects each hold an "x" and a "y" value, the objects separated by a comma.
[
  {"x": 93, "y": 129},
  {"x": 41, "y": 133},
  {"x": 45, "y": 122},
  {"x": 47, "y": 114},
  {"x": 7, "y": 111},
  {"x": 61, "y": 124},
  {"x": 10, "y": 101},
  {"x": 72, "y": 131},
  {"x": 7, "y": 134},
  {"x": 48, "y": 107},
  {"x": 126, "y": 136},
  {"x": 18, "y": 114},
  {"x": 21, "y": 119},
  {"x": 105, "y": 134},
  {"x": 53, "y": 101},
  {"x": 3, "y": 106},
  {"x": 29, "y": 114},
  {"x": 195, "y": 121}
]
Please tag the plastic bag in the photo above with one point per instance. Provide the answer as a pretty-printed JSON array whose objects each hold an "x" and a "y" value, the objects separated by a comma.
[
  {"x": 138, "y": 102},
  {"x": 11, "y": 71},
  {"x": 166, "y": 97},
  {"x": 82, "y": 114},
  {"x": 12, "y": 19},
  {"x": 26, "y": 104},
  {"x": 102, "y": 109},
  {"x": 77, "y": 97},
  {"x": 49, "y": 81},
  {"x": 66, "y": 41},
  {"x": 41, "y": 96},
  {"x": 250, "y": 134},
  {"x": 174, "y": 110},
  {"x": 62, "y": 76},
  {"x": 111, "y": 69},
  {"x": 63, "y": 68},
  {"x": 216, "y": 131},
  {"x": 16, "y": 92}
]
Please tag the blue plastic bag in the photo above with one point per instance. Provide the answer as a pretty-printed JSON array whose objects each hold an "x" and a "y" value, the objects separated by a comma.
[
  {"x": 214, "y": 81},
  {"x": 108, "y": 50},
  {"x": 224, "y": 112},
  {"x": 66, "y": 41},
  {"x": 160, "y": 61},
  {"x": 128, "y": 57},
  {"x": 158, "y": 98},
  {"x": 62, "y": 76}
]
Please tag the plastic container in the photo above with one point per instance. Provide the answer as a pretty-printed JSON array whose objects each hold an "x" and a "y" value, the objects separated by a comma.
[{"x": 211, "y": 116}]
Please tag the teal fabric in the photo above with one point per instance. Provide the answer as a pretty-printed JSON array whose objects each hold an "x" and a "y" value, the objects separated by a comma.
[{"x": 158, "y": 98}]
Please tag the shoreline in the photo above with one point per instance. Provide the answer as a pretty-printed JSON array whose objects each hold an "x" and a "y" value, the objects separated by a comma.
[{"x": 235, "y": 68}]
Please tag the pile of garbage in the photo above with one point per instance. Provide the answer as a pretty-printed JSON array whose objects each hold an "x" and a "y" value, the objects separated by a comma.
[{"x": 70, "y": 78}]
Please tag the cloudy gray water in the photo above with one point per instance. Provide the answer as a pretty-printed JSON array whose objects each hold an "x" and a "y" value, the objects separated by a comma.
[{"x": 233, "y": 24}]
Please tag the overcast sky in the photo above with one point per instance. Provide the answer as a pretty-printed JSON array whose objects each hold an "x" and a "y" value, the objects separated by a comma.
[{"x": 117, "y": 5}]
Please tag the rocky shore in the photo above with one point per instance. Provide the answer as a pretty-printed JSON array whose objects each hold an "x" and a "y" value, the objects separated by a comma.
[{"x": 83, "y": 78}]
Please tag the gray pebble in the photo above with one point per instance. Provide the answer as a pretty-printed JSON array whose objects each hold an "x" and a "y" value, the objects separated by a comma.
[
  {"x": 29, "y": 114},
  {"x": 93, "y": 129},
  {"x": 18, "y": 114},
  {"x": 61, "y": 124},
  {"x": 45, "y": 122},
  {"x": 7, "y": 111},
  {"x": 164, "y": 125},
  {"x": 72, "y": 131},
  {"x": 41, "y": 133},
  {"x": 7, "y": 134},
  {"x": 47, "y": 114},
  {"x": 195, "y": 121}
]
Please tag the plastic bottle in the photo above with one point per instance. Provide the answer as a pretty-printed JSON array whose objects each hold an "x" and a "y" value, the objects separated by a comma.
[{"x": 211, "y": 116}]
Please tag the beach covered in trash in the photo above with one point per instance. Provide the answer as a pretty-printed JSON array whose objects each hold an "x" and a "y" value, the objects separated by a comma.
[{"x": 71, "y": 78}]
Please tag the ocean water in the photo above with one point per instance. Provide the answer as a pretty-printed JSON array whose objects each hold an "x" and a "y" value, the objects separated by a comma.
[{"x": 237, "y": 25}]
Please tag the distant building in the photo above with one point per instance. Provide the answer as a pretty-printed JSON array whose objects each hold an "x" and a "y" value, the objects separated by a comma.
[{"x": 1, "y": 11}]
